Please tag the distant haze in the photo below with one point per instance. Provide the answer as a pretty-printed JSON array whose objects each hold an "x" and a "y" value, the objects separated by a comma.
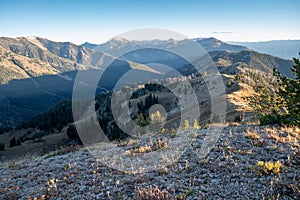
[{"x": 286, "y": 49}]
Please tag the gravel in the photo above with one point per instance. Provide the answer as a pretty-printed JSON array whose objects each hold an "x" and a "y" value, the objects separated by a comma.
[{"x": 227, "y": 172}]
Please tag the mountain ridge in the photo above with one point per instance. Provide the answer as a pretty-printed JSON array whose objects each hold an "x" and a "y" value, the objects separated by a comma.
[
  {"x": 32, "y": 66},
  {"x": 286, "y": 49}
]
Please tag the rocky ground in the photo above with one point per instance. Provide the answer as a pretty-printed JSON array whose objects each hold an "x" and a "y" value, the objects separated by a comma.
[{"x": 231, "y": 170}]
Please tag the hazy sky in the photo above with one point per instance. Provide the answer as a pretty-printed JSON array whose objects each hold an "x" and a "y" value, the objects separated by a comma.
[{"x": 98, "y": 21}]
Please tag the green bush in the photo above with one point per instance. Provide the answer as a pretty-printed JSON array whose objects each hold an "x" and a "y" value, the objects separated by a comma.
[
  {"x": 279, "y": 103},
  {"x": 289, "y": 95},
  {"x": 269, "y": 119}
]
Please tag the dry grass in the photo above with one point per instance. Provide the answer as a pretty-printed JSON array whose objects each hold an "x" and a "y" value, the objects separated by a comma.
[
  {"x": 127, "y": 143},
  {"x": 284, "y": 134},
  {"x": 64, "y": 150},
  {"x": 253, "y": 135},
  {"x": 160, "y": 143},
  {"x": 292, "y": 130},
  {"x": 150, "y": 193},
  {"x": 237, "y": 98},
  {"x": 29, "y": 149}
]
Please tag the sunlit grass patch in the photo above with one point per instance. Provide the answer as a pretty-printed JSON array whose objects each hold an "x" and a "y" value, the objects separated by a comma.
[
  {"x": 284, "y": 134},
  {"x": 253, "y": 135},
  {"x": 159, "y": 143}
]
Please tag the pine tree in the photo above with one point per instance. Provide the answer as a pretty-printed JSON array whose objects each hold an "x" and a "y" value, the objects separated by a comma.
[
  {"x": 278, "y": 102},
  {"x": 73, "y": 134},
  {"x": 13, "y": 142},
  {"x": 2, "y": 146},
  {"x": 18, "y": 142},
  {"x": 289, "y": 93},
  {"x": 264, "y": 103}
]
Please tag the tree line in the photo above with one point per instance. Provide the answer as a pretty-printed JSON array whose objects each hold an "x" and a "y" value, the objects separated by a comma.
[{"x": 279, "y": 103}]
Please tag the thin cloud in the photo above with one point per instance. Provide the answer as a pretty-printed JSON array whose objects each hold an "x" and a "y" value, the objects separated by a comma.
[{"x": 222, "y": 32}]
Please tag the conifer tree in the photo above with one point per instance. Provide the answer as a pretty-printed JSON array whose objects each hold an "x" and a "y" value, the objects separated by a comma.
[
  {"x": 279, "y": 103},
  {"x": 289, "y": 95}
]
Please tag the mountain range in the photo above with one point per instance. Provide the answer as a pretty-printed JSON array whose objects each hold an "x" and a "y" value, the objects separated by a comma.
[
  {"x": 286, "y": 49},
  {"x": 37, "y": 73}
]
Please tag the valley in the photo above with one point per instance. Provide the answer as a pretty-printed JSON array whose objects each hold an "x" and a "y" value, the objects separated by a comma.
[{"x": 47, "y": 72}]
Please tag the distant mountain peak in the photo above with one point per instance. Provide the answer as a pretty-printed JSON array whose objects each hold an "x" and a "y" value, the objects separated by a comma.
[
  {"x": 31, "y": 37},
  {"x": 213, "y": 44},
  {"x": 118, "y": 40},
  {"x": 211, "y": 40},
  {"x": 35, "y": 38}
]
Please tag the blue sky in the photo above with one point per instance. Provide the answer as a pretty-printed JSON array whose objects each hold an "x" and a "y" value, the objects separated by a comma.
[{"x": 98, "y": 21}]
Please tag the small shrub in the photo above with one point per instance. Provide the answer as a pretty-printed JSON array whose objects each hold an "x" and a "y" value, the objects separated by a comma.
[
  {"x": 186, "y": 124},
  {"x": 229, "y": 83},
  {"x": 237, "y": 119},
  {"x": 239, "y": 77},
  {"x": 269, "y": 119},
  {"x": 196, "y": 124},
  {"x": 156, "y": 118},
  {"x": 52, "y": 187},
  {"x": 11, "y": 165},
  {"x": 173, "y": 134},
  {"x": 66, "y": 166},
  {"x": 265, "y": 168},
  {"x": 152, "y": 146}
]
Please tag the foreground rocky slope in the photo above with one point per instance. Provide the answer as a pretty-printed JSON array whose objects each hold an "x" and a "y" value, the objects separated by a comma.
[{"x": 230, "y": 171}]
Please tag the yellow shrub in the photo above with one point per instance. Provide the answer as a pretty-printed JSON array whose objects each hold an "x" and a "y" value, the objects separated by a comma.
[
  {"x": 276, "y": 167},
  {"x": 260, "y": 163},
  {"x": 268, "y": 167}
]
